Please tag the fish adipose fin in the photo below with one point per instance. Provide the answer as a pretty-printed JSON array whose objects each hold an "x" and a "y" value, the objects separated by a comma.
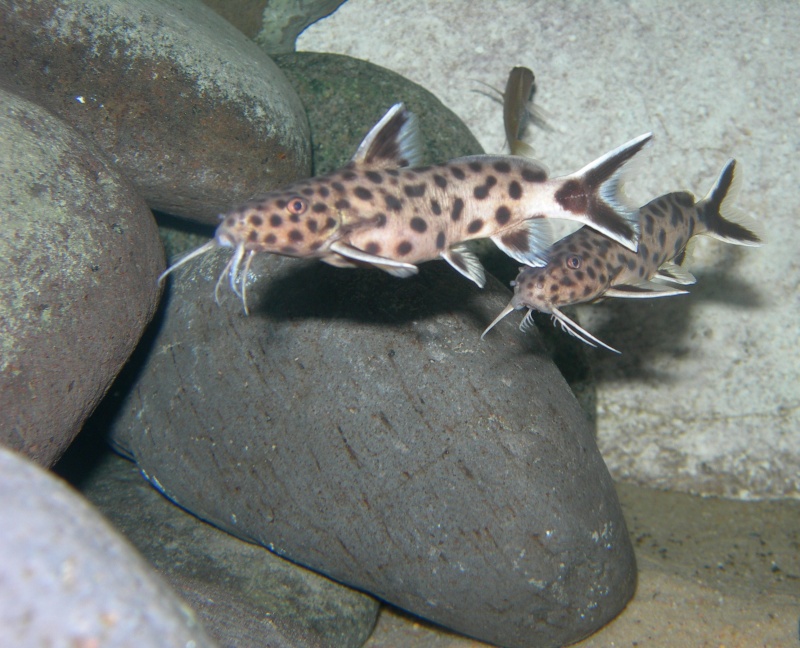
[
  {"x": 527, "y": 243},
  {"x": 644, "y": 290},
  {"x": 722, "y": 220},
  {"x": 393, "y": 142},
  {"x": 594, "y": 195},
  {"x": 351, "y": 254},
  {"x": 676, "y": 274},
  {"x": 464, "y": 261}
]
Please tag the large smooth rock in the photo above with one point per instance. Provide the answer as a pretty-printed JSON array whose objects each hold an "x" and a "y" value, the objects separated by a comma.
[
  {"x": 79, "y": 256},
  {"x": 68, "y": 579},
  {"x": 194, "y": 113},
  {"x": 356, "y": 424},
  {"x": 244, "y": 595}
]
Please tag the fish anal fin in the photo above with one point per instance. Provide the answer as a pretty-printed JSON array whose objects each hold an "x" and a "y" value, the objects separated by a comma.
[
  {"x": 676, "y": 274},
  {"x": 528, "y": 242},
  {"x": 465, "y": 262},
  {"x": 393, "y": 142},
  {"x": 643, "y": 290},
  {"x": 349, "y": 256}
]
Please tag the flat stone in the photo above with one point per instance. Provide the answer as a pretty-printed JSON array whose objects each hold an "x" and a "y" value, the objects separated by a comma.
[
  {"x": 194, "y": 113},
  {"x": 356, "y": 424},
  {"x": 79, "y": 256},
  {"x": 243, "y": 594},
  {"x": 67, "y": 578}
]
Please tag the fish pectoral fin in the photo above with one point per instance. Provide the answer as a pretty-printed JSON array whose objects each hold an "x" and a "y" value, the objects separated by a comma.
[
  {"x": 393, "y": 142},
  {"x": 528, "y": 242},
  {"x": 643, "y": 290},
  {"x": 572, "y": 327},
  {"x": 350, "y": 254},
  {"x": 676, "y": 274},
  {"x": 465, "y": 262}
]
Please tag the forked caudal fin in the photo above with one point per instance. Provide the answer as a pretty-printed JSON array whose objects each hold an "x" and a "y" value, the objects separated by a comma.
[
  {"x": 594, "y": 195},
  {"x": 722, "y": 220}
]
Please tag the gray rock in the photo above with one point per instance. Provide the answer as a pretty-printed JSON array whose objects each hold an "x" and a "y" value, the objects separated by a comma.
[
  {"x": 356, "y": 424},
  {"x": 68, "y": 579},
  {"x": 244, "y": 595},
  {"x": 274, "y": 24},
  {"x": 196, "y": 114},
  {"x": 79, "y": 255}
]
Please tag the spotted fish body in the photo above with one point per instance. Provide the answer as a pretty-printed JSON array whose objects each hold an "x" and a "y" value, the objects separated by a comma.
[
  {"x": 585, "y": 266},
  {"x": 384, "y": 211}
]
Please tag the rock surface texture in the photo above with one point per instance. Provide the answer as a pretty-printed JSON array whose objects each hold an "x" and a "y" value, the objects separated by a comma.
[
  {"x": 79, "y": 257},
  {"x": 69, "y": 579},
  {"x": 197, "y": 116},
  {"x": 356, "y": 424}
]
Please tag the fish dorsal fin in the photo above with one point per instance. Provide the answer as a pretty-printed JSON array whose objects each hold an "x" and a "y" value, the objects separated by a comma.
[
  {"x": 676, "y": 274},
  {"x": 643, "y": 290},
  {"x": 393, "y": 142},
  {"x": 527, "y": 243}
]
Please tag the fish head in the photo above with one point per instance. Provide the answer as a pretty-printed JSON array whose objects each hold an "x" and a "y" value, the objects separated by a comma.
[{"x": 287, "y": 222}]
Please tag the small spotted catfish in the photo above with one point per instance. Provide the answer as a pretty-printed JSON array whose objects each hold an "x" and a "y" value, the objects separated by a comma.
[
  {"x": 383, "y": 210},
  {"x": 586, "y": 267}
]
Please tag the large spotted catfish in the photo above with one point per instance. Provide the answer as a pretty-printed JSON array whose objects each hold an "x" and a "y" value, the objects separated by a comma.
[{"x": 383, "y": 210}]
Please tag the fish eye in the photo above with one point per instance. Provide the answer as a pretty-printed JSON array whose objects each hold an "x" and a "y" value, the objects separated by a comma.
[
  {"x": 297, "y": 205},
  {"x": 574, "y": 261}
]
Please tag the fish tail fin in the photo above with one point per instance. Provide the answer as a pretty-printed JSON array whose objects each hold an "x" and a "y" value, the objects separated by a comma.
[
  {"x": 719, "y": 216},
  {"x": 594, "y": 195}
]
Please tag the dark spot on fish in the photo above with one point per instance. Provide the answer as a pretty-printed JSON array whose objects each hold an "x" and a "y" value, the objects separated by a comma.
[
  {"x": 280, "y": 204},
  {"x": 324, "y": 192},
  {"x": 295, "y": 218},
  {"x": 256, "y": 220},
  {"x": 475, "y": 166},
  {"x": 643, "y": 251},
  {"x": 270, "y": 239},
  {"x": 380, "y": 219},
  {"x": 252, "y": 236},
  {"x": 578, "y": 275},
  {"x": 533, "y": 175},
  {"x": 230, "y": 221},
  {"x": 676, "y": 216},
  {"x": 338, "y": 186},
  {"x": 372, "y": 248},
  {"x": 393, "y": 172},
  {"x": 307, "y": 191},
  {"x": 587, "y": 290},
  {"x": 480, "y": 192},
  {"x": 621, "y": 257},
  {"x": 312, "y": 225},
  {"x": 296, "y": 235},
  {"x": 684, "y": 199},
  {"x": 649, "y": 224},
  {"x": 475, "y": 226},
  {"x": 514, "y": 190},
  {"x": 436, "y": 208},
  {"x": 502, "y": 215},
  {"x": 602, "y": 278},
  {"x": 330, "y": 223},
  {"x": 275, "y": 220},
  {"x": 363, "y": 193},
  {"x": 404, "y": 248},
  {"x": 566, "y": 281},
  {"x": 553, "y": 287},
  {"x": 590, "y": 272},
  {"x": 342, "y": 203},
  {"x": 572, "y": 247},
  {"x": 349, "y": 175},
  {"x": 458, "y": 207},
  {"x": 440, "y": 241},
  {"x": 316, "y": 245},
  {"x": 631, "y": 263},
  {"x": 656, "y": 258},
  {"x": 517, "y": 240},
  {"x": 586, "y": 245},
  {"x": 662, "y": 237},
  {"x": 678, "y": 246},
  {"x": 572, "y": 197},
  {"x": 439, "y": 180},
  {"x": 458, "y": 173},
  {"x": 374, "y": 176},
  {"x": 418, "y": 224},
  {"x": 641, "y": 271},
  {"x": 598, "y": 262},
  {"x": 415, "y": 191},
  {"x": 319, "y": 208},
  {"x": 393, "y": 203},
  {"x": 573, "y": 296},
  {"x": 501, "y": 167}
]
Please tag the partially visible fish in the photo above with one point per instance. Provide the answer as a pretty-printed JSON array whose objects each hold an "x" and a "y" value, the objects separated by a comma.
[
  {"x": 519, "y": 109},
  {"x": 586, "y": 266},
  {"x": 381, "y": 210}
]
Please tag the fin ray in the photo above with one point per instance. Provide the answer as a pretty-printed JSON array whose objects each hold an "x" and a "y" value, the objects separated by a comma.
[
  {"x": 396, "y": 268},
  {"x": 464, "y": 261},
  {"x": 393, "y": 142}
]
